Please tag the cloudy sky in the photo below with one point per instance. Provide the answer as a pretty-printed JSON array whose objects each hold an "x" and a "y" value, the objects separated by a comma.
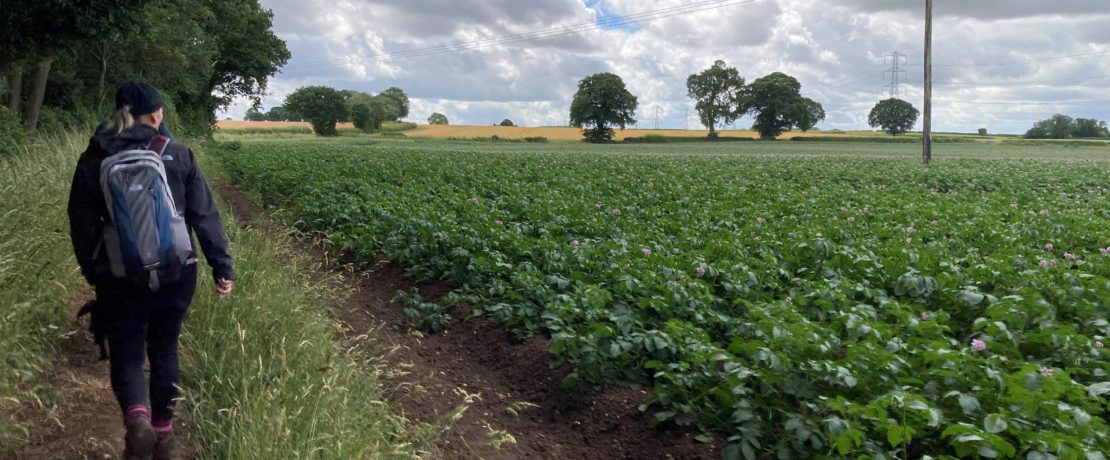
[{"x": 1000, "y": 64}]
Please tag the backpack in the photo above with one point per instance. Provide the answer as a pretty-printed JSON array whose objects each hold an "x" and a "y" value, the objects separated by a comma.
[{"x": 146, "y": 240}]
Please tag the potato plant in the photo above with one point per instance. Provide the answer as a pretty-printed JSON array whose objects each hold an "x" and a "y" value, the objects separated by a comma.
[{"x": 842, "y": 306}]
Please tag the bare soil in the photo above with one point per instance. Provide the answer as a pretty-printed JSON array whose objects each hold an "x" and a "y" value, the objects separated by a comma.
[
  {"x": 82, "y": 419},
  {"x": 513, "y": 388}
]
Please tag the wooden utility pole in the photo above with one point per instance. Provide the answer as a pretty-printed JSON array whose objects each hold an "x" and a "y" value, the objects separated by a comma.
[{"x": 927, "y": 132}]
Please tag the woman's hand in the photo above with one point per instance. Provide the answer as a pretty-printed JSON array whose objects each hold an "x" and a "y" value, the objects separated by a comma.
[{"x": 224, "y": 287}]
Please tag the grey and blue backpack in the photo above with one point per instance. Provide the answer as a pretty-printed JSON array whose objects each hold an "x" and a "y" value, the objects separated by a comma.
[{"x": 146, "y": 239}]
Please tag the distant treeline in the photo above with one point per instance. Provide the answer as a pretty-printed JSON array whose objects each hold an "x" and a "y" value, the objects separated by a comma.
[{"x": 1065, "y": 127}]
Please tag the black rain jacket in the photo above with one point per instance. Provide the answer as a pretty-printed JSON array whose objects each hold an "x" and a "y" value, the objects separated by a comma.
[{"x": 88, "y": 212}]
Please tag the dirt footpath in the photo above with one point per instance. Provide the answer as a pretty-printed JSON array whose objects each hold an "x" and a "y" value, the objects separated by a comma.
[
  {"x": 517, "y": 407},
  {"x": 81, "y": 420}
]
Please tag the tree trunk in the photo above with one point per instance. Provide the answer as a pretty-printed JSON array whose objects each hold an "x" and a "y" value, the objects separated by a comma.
[
  {"x": 34, "y": 105},
  {"x": 15, "y": 88},
  {"x": 103, "y": 49}
]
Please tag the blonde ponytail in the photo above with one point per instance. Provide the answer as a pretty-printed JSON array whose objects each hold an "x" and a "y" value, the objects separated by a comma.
[{"x": 121, "y": 120}]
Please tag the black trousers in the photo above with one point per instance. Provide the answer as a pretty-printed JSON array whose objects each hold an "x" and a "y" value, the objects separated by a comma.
[{"x": 142, "y": 325}]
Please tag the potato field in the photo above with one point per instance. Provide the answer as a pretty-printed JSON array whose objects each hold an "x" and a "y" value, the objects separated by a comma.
[{"x": 794, "y": 300}]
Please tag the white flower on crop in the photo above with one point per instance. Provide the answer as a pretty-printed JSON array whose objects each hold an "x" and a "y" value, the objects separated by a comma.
[
  {"x": 760, "y": 220},
  {"x": 910, "y": 229},
  {"x": 1046, "y": 371},
  {"x": 574, "y": 243},
  {"x": 1048, "y": 247},
  {"x": 646, "y": 251}
]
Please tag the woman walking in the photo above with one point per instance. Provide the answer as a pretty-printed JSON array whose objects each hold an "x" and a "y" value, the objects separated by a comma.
[{"x": 142, "y": 295}]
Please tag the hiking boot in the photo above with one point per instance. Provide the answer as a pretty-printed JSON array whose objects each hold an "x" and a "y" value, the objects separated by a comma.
[
  {"x": 163, "y": 448},
  {"x": 139, "y": 440}
]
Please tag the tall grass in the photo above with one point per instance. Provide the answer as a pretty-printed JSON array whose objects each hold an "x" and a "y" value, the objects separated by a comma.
[
  {"x": 37, "y": 271},
  {"x": 267, "y": 374}
]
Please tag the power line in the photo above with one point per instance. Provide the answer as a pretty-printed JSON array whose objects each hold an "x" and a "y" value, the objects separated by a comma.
[
  {"x": 530, "y": 36},
  {"x": 1080, "y": 102},
  {"x": 1019, "y": 62},
  {"x": 1025, "y": 83}
]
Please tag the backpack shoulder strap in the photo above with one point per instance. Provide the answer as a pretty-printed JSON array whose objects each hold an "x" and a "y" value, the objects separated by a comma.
[{"x": 159, "y": 144}]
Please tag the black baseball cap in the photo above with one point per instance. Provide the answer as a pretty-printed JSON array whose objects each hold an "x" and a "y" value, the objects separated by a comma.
[{"x": 140, "y": 97}]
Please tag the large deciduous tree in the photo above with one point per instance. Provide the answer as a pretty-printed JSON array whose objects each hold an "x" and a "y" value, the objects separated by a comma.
[
  {"x": 323, "y": 107},
  {"x": 437, "y": 119},
  {"x": 1090, "y": 128},
  {"x": 602, "y": 101},
  {"x": 893, "y": 115},
  {"x": 716, "y": 92},
  {"x": 395, "y": 102},
  {"x": 776, "y": 103}
]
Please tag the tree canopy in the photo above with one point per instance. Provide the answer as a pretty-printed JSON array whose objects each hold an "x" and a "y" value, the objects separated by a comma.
[
  {"x": 199, "y": 53},
  {"x": 602, "y": 101},
  {"x": 395, "y": 102},
  {"x": 776, "y": 103},
  {"x": 322, "y": 106},
  {"x": 437, "y": 119},
  {"x": 716, "y": 91},
  {"x": 894, "y": 115},
  {"x": 1061, "y": 126}
]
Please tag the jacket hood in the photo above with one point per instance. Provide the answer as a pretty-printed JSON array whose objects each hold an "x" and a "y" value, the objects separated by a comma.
[{"x": 135, "y": 137}]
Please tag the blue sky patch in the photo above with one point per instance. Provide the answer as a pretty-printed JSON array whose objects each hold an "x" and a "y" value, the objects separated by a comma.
[{"x": 607, "y": 19}]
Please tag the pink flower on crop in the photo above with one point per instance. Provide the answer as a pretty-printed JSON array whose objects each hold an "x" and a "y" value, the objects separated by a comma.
[
  {"x": 760, "y": 220},
  {"x": 646, "y": 251},
  {"x": 1105, "y": 251},
  {"x": 1052, "y": 263},
  {"x": 910, "y": 229},
  {"x": 1098, "y": 344},
  {"x": 1070, "y": 256},
  {"x": 1048, "y": 247},
  {"x": 978, "y": 345},
  {"x": 616, "y": 212},
  {"x": 1043, "y": 263},
  {"x": 499, "y": 222},
  {"x": 574, "y": 243},
  {"x": 924, "y": 316},
  {"x": 700, "y": 271},
  {"x": 851, "y": 218},
  {"x": 1046, "y": 371}
]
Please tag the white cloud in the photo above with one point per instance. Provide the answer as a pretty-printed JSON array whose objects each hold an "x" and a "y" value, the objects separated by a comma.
[{"x": 834, "y": 47}]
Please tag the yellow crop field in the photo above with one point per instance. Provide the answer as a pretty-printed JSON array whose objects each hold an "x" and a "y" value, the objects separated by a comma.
[{"x": 521, "y": 132}]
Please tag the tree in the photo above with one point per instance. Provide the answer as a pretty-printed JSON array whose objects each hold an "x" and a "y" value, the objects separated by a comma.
[
  {"x": 506, "y": 122},
  {"x": 982, "y": 131},
  {"x": 716, "y": 92},
  {"x": 894, "y": 115},
  {"x": 1089, "y": 128},
  {"x": 320, "y": 105},
  {"x": 254, "y": 114},
  {"x": 811, "y": 113},
  {"x": 1058, "y": 127},
  {"x": 437, "y": 119},
  {"x": 601, "y": 101},
  {"x": 396, "y": 103},
  {"x": 778, "y": 106},
  {"x": 360, "y": 116}
]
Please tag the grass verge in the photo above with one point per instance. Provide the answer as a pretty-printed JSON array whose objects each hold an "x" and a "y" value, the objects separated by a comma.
[
  {"x": 37, "y": 272},
  {"x": 267, "y": 373}
]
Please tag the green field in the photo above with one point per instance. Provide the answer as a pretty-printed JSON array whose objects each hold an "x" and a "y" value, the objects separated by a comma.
[{"x": 799, "y": 298}]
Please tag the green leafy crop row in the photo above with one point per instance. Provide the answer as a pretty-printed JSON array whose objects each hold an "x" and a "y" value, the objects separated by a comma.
[{"x": 805, "y": 307}]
